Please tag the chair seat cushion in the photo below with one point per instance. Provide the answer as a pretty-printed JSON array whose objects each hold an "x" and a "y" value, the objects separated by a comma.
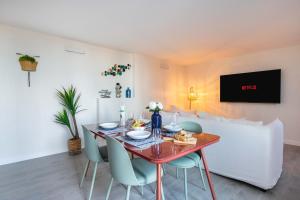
[
  {"x": 103, "y": 153},
  {"x": 145, "y": 171},
  {"x": 188, "y": 161}
]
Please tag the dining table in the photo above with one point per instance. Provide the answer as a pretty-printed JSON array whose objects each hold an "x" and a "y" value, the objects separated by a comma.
[{"x": 166, "y": 151}]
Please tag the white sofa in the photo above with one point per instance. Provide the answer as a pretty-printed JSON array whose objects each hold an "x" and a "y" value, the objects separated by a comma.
[{"x": 249, "y": 152}]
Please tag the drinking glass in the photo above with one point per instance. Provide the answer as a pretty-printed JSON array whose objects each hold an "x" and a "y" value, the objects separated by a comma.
[
  {"x": 130, "y": 115},
  {"x": 156, "y": 134},
  {"x": 142, "y": 116},
  {"x": 175, "y": 118}
]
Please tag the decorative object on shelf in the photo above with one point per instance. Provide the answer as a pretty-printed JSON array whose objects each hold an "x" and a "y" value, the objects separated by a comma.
[
  {"x": 128, "y": 93},
  {"x": 155, "y": 107},
  {"x": 116, "y": 70},
  {"x": 192, "y": 96},
  {"x": 105, "y": 93},
  {"x": 28, "y": 63},
  {"x": 69, "y": 99},
  {"x": 118, "y": 90},
  {"x": 122, "y": 116}
]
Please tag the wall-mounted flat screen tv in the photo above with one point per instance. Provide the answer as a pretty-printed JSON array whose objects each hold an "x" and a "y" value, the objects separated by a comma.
[{"x": 253, "y": 87}]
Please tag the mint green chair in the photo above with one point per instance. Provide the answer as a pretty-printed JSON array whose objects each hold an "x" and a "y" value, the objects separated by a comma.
[
  {"x": 94, "y": 154},
  {"x": 135, "y": 172},
  {"x": 191, "y": 160}
]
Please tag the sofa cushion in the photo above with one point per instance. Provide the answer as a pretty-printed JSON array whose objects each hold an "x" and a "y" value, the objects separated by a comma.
[
  {"x": 247, "y": 122},
  {"x": 167, "y": 117}
]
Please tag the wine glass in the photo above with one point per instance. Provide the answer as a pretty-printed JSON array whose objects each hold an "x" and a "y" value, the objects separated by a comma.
[
  {"x": 156, "y": 134},
  {"x": 130, "y": 116}
]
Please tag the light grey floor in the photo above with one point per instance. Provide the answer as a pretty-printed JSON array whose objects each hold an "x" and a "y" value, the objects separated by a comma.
[{"x": 57, "y": 177}]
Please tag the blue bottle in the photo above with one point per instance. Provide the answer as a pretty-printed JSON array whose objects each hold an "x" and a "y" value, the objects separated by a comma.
[
  {"x": 156, "y": 120},
  {"x": 128, "y": 93}
]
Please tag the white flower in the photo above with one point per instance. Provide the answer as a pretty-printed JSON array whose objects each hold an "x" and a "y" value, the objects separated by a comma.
[
  {"x": 152, "y": 105},
  {"x": 160, "y": 106}
]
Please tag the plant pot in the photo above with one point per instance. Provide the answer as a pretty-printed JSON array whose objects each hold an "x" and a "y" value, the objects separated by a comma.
[
  {"x": 74, "y": 146},
  {"x": 28, "y": 65}
]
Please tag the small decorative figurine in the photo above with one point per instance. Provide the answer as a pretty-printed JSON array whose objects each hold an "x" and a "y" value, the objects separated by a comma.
[{"x": 118, "y": 90}]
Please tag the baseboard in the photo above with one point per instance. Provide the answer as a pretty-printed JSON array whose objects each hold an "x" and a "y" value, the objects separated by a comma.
[
  {"x": 292, "y": 142},
  {"x": 30, "y": 157}
]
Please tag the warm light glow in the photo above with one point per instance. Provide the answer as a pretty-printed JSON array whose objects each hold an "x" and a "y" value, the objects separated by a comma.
[{"x": 192, "y": 94}]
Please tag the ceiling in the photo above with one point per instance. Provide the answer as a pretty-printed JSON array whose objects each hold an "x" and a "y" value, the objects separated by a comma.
[{"x": 182, "y": 31}]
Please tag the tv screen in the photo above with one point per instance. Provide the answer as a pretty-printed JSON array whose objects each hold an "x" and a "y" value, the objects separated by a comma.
[{"x": 253, "y": 87}]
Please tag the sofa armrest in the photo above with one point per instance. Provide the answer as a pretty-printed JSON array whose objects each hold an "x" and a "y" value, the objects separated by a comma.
[{"x": 276, "y": 152}]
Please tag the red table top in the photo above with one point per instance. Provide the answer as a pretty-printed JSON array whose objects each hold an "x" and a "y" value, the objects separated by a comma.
[{"x": 166, "y": 151}]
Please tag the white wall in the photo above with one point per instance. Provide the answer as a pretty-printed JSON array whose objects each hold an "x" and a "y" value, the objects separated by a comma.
[
  {"x": 206, "y": 79},
  {"x": 27, "y": 129}
]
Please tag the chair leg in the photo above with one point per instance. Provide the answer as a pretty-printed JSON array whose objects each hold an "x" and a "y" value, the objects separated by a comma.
[
  {"x": 93, "y": 181},
  {"x": 202, "y": 177},
  {"x": 164, "y": 169},
  {"x": 176, "y": 172},
  {"x": 162, "y": 192},
  {"x": 185, "y": 185},
  {"x": 152, "y": 189},
  {"x": 128, "y": 192},
  {"x": 84, "y": 173},
  {"x": 109, "y": 189},
  {"x": 88, "y": 166},
  {"x": 142, "y": 189}
]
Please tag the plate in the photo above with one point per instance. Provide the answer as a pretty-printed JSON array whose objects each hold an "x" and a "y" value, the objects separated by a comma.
[
  {"x": 173, "y": 128},
  {"x": 109, "y": 126},
  {"x": 138, "y": 135}
]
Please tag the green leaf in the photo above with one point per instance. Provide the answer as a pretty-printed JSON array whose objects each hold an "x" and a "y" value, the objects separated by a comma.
[
  {"x": 27, "y": 58},
  {"x": 69, "y": 99},
  {"x": 63, "y": 119}
]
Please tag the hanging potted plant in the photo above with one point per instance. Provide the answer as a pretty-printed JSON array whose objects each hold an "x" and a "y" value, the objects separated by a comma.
[
  {"x": 69, "y": 99},
  {"x": 28, "y": 63}
]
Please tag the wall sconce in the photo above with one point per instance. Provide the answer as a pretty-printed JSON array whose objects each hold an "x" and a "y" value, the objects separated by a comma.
[{"x": 192, "y": 96}]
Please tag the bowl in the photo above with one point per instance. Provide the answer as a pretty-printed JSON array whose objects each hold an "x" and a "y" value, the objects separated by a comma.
[
  {"x": 141, "y": 128},
  {"x": 138, "y": 135},
  {"x": 109, "y": 125}
]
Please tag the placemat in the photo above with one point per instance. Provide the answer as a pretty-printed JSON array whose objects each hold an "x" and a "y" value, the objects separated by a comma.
[
  {"x": 143, "y": 144},
  {"x": 116, "y": 130}
]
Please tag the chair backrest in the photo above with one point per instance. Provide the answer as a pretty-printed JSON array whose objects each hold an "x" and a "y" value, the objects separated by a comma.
[
  {"x": 191, "y": 126},
  {"x": 120, "y": 163},
  {"x": 91, "y": 147}
]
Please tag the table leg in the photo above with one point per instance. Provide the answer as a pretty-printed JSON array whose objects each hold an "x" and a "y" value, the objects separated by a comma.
[
  {"x": 158, "y": 181},
  {"x": 211, "y": 186}
]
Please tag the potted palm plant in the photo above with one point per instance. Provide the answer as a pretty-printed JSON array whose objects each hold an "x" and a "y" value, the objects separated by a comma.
[{"x": 69, "y": 99}]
